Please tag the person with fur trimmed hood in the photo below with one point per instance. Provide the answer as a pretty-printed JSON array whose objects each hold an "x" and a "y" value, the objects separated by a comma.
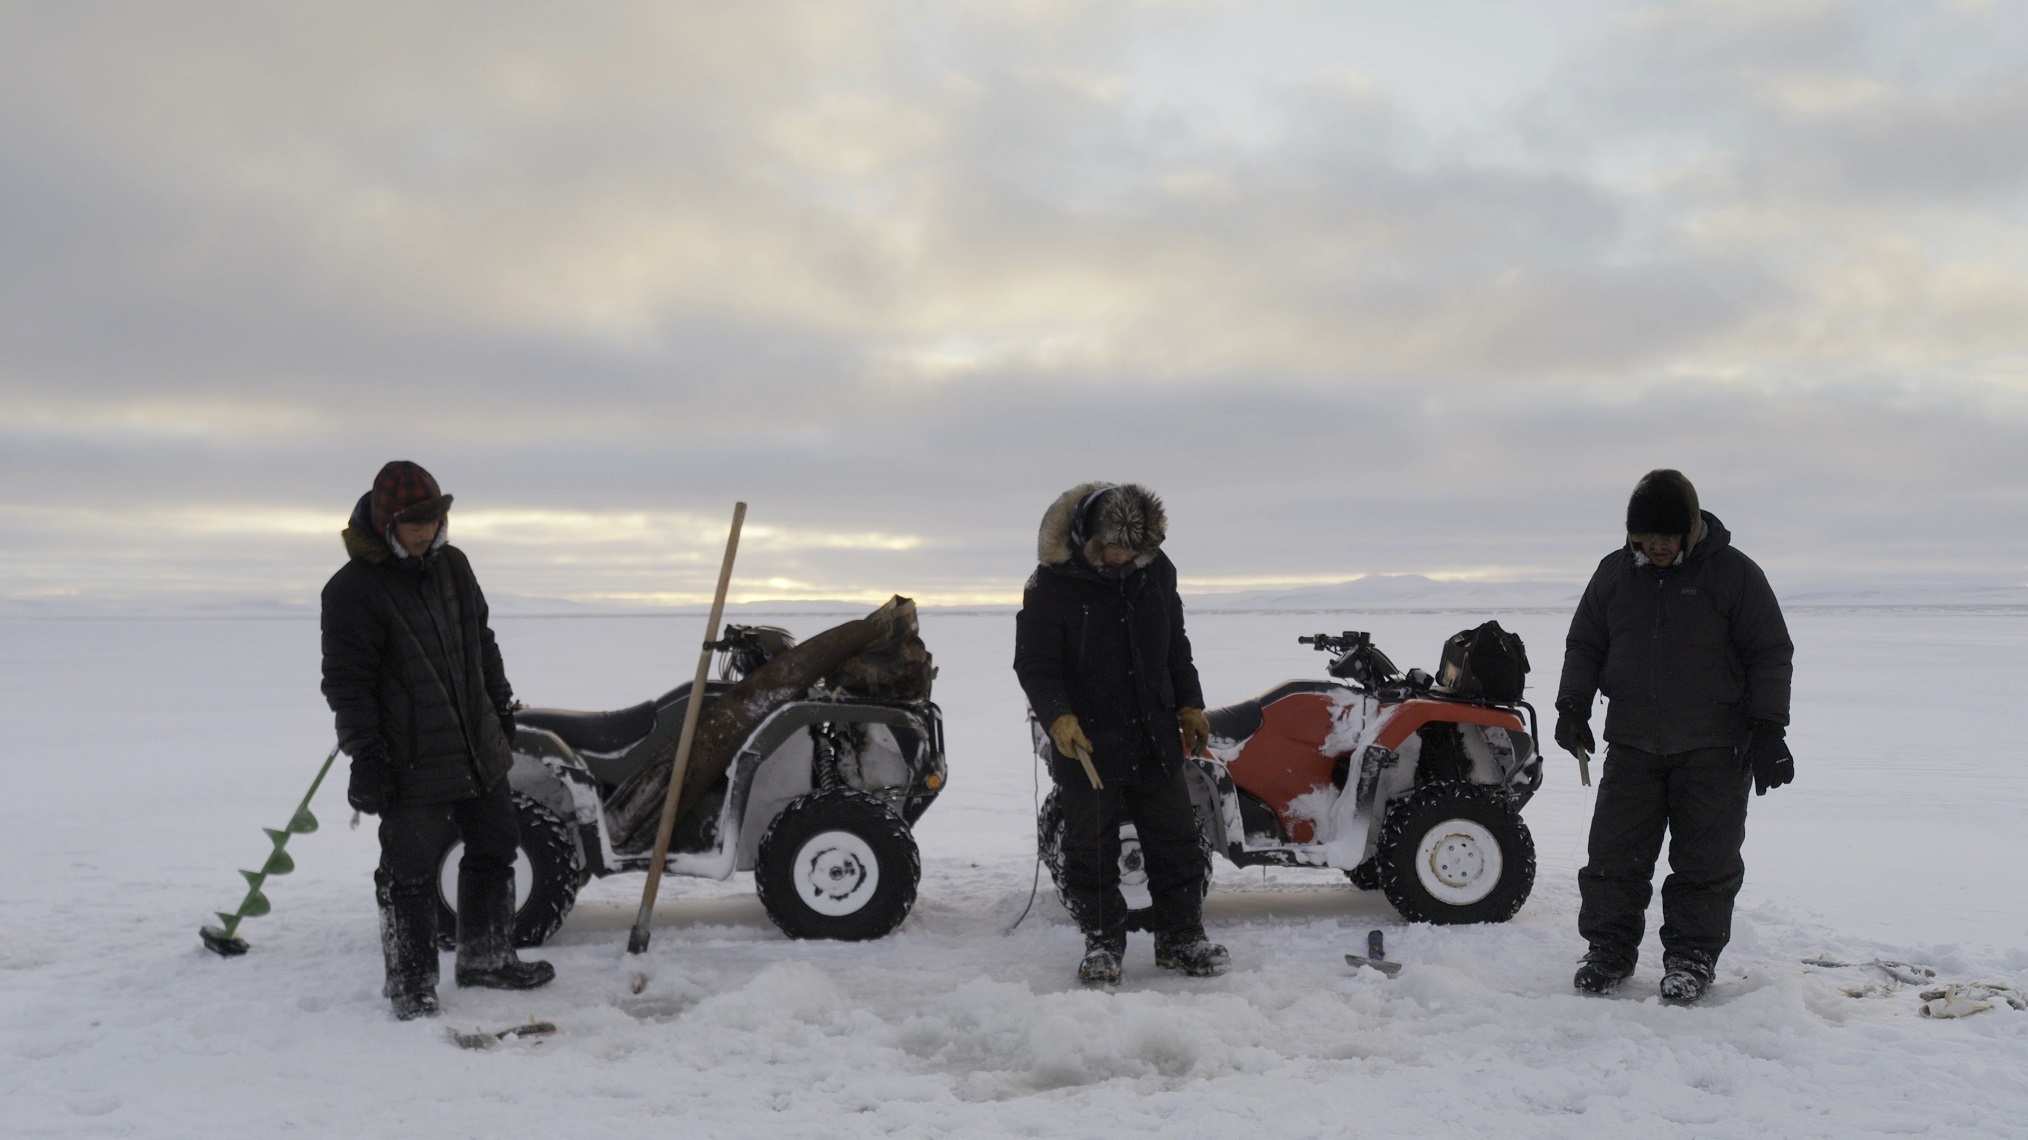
[
  {"x": 414, "y": 677},
  {"x": 1101, "y": 653},
  {"x": 1682, "y": 634}
]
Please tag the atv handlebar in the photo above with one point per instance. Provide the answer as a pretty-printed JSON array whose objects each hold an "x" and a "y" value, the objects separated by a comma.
[
  {"x": 1325, "y": 643},
  {"x": 1357, "y": 659}
]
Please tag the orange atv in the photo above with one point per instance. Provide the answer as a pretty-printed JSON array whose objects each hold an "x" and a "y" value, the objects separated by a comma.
[{"x": 1411, "y": 784}]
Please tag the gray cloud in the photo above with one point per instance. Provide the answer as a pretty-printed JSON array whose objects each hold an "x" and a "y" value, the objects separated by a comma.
[{"x": 902, "y": 273}]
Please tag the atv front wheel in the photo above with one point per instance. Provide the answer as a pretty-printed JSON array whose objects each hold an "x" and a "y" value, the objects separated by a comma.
[
  {"x": 548, "y": 870},
  {"x": 1453, "y": 852},
  {"x": 1133, "y": 865},
  {"x": 837, "y": 864}
]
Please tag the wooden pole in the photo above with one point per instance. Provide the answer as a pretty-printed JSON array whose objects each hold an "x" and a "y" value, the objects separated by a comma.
[{"x": 637, "y": 942}]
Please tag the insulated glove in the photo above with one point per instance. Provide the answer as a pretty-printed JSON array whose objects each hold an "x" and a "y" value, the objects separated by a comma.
[
  {"x": 371, "y": 784},
  {"x": 1768, "y": 753},
  {"x": 1069, "y": 737},
  {"x": 1196, "y": 730},
  {"x": 1573, "y": 729},
  {"x": 1070, "y": 740}
]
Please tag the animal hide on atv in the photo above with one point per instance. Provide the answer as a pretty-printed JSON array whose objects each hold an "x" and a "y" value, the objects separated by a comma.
[{"x": 880, "y": 655}]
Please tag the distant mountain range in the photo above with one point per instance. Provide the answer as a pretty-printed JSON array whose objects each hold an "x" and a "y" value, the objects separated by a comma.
[
  {"x": 1416, "y": 592},
  {"x": 1397, "y": 592},
  {"x": 1374, "y": 592}
]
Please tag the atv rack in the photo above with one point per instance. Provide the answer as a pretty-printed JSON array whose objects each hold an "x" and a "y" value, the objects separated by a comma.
[{"x": 1360, "y": 661}]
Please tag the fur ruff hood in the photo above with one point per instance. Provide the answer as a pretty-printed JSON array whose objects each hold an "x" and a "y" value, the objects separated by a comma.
[
  {"x": 362, "y": 546},
  {"x": 1091, "y": 516}
]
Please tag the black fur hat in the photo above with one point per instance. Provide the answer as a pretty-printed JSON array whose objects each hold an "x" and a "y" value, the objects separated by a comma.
[{"x": 1665, "y": 503}]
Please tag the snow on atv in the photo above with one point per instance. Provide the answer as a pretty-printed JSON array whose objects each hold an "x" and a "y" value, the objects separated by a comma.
[
  {"x": 1410, "y": 784},
  {"x": 828, "y": 753}
]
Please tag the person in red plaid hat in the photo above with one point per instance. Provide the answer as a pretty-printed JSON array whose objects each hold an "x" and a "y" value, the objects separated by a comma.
[{"x": 424, "y": 710}]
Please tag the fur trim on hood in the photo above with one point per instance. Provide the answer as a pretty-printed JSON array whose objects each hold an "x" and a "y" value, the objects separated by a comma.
[
  {"x": 362, "y": 546},
  {"x": 1664, "y": 502},
  {"x": 1091, "y": 516}
]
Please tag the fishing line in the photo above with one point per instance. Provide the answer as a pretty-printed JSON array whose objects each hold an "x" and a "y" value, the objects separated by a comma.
[{"x": 1035, "y": 803}]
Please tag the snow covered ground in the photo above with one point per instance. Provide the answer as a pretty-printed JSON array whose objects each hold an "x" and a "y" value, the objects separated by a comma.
[{"x": 145, "y": 755}]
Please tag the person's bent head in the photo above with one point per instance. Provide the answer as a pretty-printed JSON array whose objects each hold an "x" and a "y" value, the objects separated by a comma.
[
  {"x": 1663, "y": 518},
  {"x": 408, "y": 507}
]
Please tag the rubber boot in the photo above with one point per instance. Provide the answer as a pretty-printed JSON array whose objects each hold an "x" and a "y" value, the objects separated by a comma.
[
  {"x": 486, "y": 955},
  {"x": 1186, "y": 949},
  {"x": 1103, "y": 951},
  {"x": 408, "y": 946}
]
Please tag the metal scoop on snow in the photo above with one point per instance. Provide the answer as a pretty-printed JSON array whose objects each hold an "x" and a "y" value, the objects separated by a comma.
[{"x": 1376, "y": 955}]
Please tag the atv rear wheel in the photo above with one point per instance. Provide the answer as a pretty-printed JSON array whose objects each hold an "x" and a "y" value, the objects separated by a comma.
[
  {"x": 837, "y": 864},
  {"x": 548, "y": 870},
  {"x": 1133, "y": 868},
  {"x": 1453, "y": 852}
]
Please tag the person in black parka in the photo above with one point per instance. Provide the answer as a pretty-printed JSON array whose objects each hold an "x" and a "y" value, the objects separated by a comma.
[
  {"x": 1100, "y": 651},
  {"x": 415, "y": 679},
  {"x": 1682, "y": 634}
]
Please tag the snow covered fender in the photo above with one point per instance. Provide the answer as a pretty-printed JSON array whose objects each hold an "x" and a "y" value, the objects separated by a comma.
[
  {"x": 548, "y": 772},
  {"x": 777, "y": 765}
]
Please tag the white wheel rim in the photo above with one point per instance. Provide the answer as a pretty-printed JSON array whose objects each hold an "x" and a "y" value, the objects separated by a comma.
[
  {"x": 836, "y": 873},
  {"x": 1458, "y": 862},
  {"x": 1134, "y": 870},
  {"x": 447, "y": 876}
]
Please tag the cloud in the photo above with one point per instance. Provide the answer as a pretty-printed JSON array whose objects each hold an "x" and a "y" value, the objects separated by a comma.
[{"x": 897, "y": 275}]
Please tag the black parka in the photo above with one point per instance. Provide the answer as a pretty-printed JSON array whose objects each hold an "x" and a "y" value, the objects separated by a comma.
[
  {"x": 1109, "y": 648},
  {"x": 1688, "y": 656},
  {"x": 411, "y": 669}
]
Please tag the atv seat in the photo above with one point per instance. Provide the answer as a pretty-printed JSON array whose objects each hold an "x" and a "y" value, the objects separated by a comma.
[
  {"x": 604, "y": 732},
  {"x": 1235, "y": 722},
  {"x": 1239, "y": 721}
]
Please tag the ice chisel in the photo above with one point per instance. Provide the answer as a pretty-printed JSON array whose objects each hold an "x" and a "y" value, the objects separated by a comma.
[{"x": 637, "y": 939}]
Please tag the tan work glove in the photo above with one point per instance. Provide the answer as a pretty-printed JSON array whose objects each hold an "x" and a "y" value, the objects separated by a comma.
[
  {"x": 1196, "y": 730},
  {"x": 1069, "y": 738}
]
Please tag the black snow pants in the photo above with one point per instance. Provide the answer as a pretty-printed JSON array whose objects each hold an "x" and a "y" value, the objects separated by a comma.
[
  {"x": 412, "y": 836},
  {"x": 1699, "y": 798},
  {"x": 1157, "y": 803}
]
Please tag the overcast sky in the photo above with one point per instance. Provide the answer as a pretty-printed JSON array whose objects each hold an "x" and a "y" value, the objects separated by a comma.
[{"x": 1358, "y": 287}]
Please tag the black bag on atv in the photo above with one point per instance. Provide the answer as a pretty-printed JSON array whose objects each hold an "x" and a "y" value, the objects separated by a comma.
[{"x": 1486, "y": 663}]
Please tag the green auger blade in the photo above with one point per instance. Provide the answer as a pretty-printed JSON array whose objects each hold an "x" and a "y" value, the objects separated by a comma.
[
  {"x": 222, "y": 940},
  {"x": 256, "y": 903}
]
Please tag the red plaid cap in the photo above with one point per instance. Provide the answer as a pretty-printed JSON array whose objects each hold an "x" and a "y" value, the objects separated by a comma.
[{"x": 404, "y": 492}]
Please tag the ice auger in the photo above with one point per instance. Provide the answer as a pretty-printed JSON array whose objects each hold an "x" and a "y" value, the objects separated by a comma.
[{"x": 223, "y": 940}]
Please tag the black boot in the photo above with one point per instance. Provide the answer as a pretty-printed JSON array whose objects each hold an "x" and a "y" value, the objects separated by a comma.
[
  {"x": 408, "y": 946},
  {"x": 1103, "y": 951},
  {"x": 1602, "y": 971},
  {"x": 1186, "y": 949},
  {"x": 1685, "y": 976},
  {"x": 486, "y": 935}
]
